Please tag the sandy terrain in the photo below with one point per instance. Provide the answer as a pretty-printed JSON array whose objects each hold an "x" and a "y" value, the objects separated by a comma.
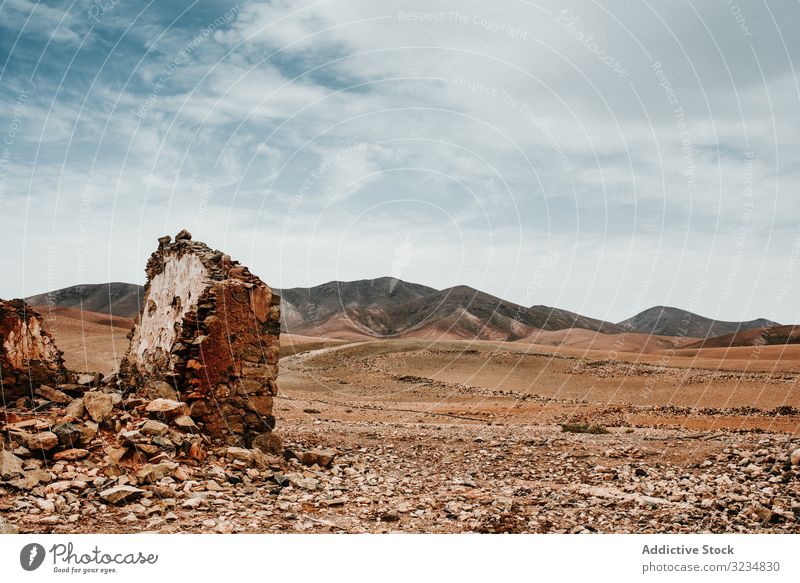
[
  {"x": 494, "y": 382},
  {"x": 90, "y": 341},
  {"x": 589, "y": 340},
  {"x": 568, "y": 373}
]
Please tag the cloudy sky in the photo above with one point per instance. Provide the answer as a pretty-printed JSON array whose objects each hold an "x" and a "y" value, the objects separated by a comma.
[{"x": 598, "y": 156}]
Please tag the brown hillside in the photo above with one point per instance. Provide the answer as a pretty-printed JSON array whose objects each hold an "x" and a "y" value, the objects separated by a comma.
[{"x": 772, "y": 336}]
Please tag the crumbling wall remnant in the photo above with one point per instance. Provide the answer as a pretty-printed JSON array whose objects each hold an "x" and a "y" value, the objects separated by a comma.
[
  {"x": 28, "y": 354},
  {"x": 210, "y": 329}
]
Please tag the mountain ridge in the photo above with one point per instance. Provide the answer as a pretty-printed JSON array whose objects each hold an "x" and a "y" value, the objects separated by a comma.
[
  {"x": 395, "y": 308},
  {"x": 769, "y": 336},
  {"x": 669, "y": 321},
  {"x": 388, "y": 307}
]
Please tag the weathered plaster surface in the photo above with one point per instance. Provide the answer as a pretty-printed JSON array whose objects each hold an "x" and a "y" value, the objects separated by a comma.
[{"x": 172, "y": 293}]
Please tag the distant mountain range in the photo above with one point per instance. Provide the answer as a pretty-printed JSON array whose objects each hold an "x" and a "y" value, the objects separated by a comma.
[{"x": 392, "y": 308}]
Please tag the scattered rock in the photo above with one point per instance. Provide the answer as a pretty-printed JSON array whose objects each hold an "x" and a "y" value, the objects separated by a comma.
[
  {"x": 268, "y": 443},
  {"x": 452, "y": 509},
  {"x": 72, "y": 389},
  {"x": 160, "y": 390},
  {"x": 152, "y": 427},
  {"x": 69, "y": 434},
  {"x": 10, "y": 465},
  {"x": 44, "y": 441},
  {"x": 88, "y": 431},
  {"x": 7, "y": 528},
  {"x": 165, "y": 406},
  {"x": 115, "y": 454},
  {"x": 119, "y": 494},
  {"x": 281, "y": 480},
  {"x": 154, "y": 472},
  {"x": 70, "y": 455},
  {"x": 307, "y": 483},
  {"x": 75, "y": 409},
  {"x": 196, "y": 452},
  {"x": 320, "y": 457},
  {"x": 132, "y": 437},
  {"x": 53, "y": 395},
  {"x": 87, "y": 379},
  {"x": 98, "y": 405},
  {"x": 184, "y": 422},
  {"x": 388, "y": 515},
  {"x": 263, "y": 461},
  {"x": 795, "y": 457},
  {"x": 239, "y": 454},
  {"x": 182, "y": 474},
  {"x": 762, "y": 513},
  {"x": 30, "y": 480}
]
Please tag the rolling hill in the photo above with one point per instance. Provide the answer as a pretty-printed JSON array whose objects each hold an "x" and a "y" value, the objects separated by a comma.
[
  {"x": 666, "y": 321},
  {"x": 772, "y": 336},
  {"x": 114, "y": 299}
]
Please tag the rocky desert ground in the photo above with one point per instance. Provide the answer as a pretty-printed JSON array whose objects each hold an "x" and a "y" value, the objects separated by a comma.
[{"x": 421, "y": 435}]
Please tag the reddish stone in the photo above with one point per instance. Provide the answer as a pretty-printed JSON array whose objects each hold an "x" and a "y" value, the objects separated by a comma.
[
  {"x": 70, "y": 454},
  {"x": 197, "y": 453},
  {"x": 29, "y": 357}
]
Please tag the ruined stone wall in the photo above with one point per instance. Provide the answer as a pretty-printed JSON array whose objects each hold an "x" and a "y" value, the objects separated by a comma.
[
  {"x": 211, "y": 330},
  {"x": 28, "y": 354}
]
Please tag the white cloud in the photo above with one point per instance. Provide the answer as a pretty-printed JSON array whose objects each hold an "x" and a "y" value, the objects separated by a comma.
[
  {"x": 25, "y": 16},
  {"x": 485, "y": 133}
]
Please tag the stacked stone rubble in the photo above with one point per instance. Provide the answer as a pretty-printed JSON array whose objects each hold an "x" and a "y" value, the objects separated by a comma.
[
  {"x": 211, "y": 330},
  {"x": 28, "y": 354}
]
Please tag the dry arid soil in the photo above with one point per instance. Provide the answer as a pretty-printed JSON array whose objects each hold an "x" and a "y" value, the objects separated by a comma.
[{"x": 467, "y": 436}]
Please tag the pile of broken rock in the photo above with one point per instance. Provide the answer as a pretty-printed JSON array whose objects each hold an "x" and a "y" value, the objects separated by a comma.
[{"x": 75, "y": 448}]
